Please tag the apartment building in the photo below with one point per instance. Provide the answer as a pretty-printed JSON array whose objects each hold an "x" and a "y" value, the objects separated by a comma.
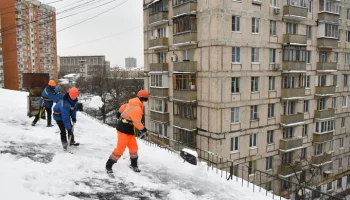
[
  {"x": 28, "y": 40},
  {"x": 85, "y": 65},
  {"x": 264, "y": 83},
  {"x": 1, "y": 62},
  {"x": 130, "y": 63}
]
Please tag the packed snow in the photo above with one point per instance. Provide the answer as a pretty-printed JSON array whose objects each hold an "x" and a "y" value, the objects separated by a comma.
[{"x": 33, "y": 164}]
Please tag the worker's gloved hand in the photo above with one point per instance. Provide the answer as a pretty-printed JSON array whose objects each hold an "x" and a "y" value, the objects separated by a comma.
[
  {"x": 118, "y": 114},
  {"x": 69, "y": 132},
  {"x": 74, "y": 120},
  {"x": 144, "y": 133}
]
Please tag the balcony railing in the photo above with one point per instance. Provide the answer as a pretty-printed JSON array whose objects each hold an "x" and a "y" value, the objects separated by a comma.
[
  {"x": 327, "y": 43},
  {"x": 158, "y": 18},
  {"x": 185, "y": 123},
  {"x": 328, "y": 17},
  {"x": 324, "y": 66},
  {"x": 294, "y": 66},
  {"x": 159, "y": 92},
  {"x": 291, "y": 144},
  {"x": 322, "y": 114},
  {"x": 292, "y": 119},
  {"x": 320, "y": 138},
  {"x": 285, "y": 169},
  {"x": 186, "y": 66},
  {"x": 294, "y": 39},
  {"x": 159, "y": 43},
  {"x": 188, "y": 7},
  {"x": 186, "y": 95},
  {"x": 185, "y": 38},
  {"x": 320, "y": 159},
  {"x": 294, "y": 12},
  {"x": 161, "y": 117},
  {"x": 325, "y": 90},
  {"x": 288, "y": 93},
  {"x": 159, "y": 67}
]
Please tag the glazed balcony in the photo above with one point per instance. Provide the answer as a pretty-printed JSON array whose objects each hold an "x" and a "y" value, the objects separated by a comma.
[
  {"x": 294, "y": 12},
  {"x": 294, "y": 39},
  {"x": 159, "y": 67},
  {"x": 186, "y": 66},
  {"x": 290, "y": 93},
  {"x": 291, "y": 144},
  {"x": 185, "y": 38},
  {"x": 326, "y": 66},
  {"x": 322, "y": 114},
  {"x": 161, "y": 117},
  {"x": 320, "y": 159},
  {"x": 294, "y": 66},
  {"x": 185, "y": 123},
  {"x": 329, "y": 17},
  {"x": 159, "y": 43},
  {"x": 325, "y": 90},
  {"x": 187, "y": 7},
  {"x": 159, "y": 92},
  {"x": 159, "y": 18},
  {"x": 327, "y": 43},
  {"x": 186, "y": 95},
  {"x": 285, "y": 169},
  {"x": 292, "y": 119},
  {"x": 324, "y": 137}
]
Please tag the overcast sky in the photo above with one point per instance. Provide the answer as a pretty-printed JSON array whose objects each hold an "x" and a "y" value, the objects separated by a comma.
[{"x": 125, "y": 19}]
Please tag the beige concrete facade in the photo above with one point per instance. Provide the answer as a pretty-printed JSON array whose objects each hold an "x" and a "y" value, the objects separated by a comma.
[{"x": 190, "y": 53}]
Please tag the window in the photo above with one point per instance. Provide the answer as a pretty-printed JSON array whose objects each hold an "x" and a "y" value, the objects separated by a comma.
[
  {"x": 321, "y": 104},
  {"x": 269, "y": 161},
  {"x": 253, "y": 112},
  {"x": 289, "y": 108},
  {"x": 308, "y": 57},
  {"x": 185, "y": 136},
  {"x": 252, "y": 140},
  {"x": 269, "y": 186},
  {"x": 335, "y": 80},
  {"x": 287, "y": 158},
  {"x": 272, "y": 55},
  {"x": 340, "y": 162},
  {"x": 254, "y": 84},
  {"x": 303, "y": 153},
  {"x": 323, "y": 56},
  {"x": 272, "y": 83},
  {"x": 187, "y": 55},
  {"x": 236, "y": 23},
  {"x": 270, "y": 110},
  {"x": 234, "y": 144},
  {"x": 291, "y": 28},
  {"x": 156, "y": 80},
  {"x": 347, "y": 36},
  {"x": 347, "y": 58},
  {"x": 334, "y": 102},
  {"x": 161, "y": 32},
  {"x": 341, "y": 143},
  {"x": 252, "y": 165},
  {"x": 255, "y": 55},
  {"x": 185, "y": 23},
  {"x": 339, "y": 181},
  {"x": 294, "y": 53},
  {"x": 234, "y": 115},
  {"x": 336, "y": 57},
  {"x": 307, "y": 82},
  {"x": 161, "y": 57},
  {"x": 304, "y": 130},
  {"x": 235, "y": 84},
  {"x": 185, "y": 82},
  {"x": 270, "y": 137},
  {"x": 342, "y": 124},
  {"x": 159, "y": 128},
  {"x": 324, "y": 126},
  {"x": 273, "y": 27},
  {"x": 300, "y": 3},
  {"x": 319, "y": 149},
  {"x": 185, "y": 110},
  {"x": 159, "y": 105},
  {"x": 288, "y": 132},
  {"x": 348, "y": 14},
  {"x": 236, "y": 54},
  {"x": 306, "y": 106},
  {"x": 309, "y": 6},
  {"x": 345, "y": 80},
  {"x": 255, "y": 25},
  {"x": 329, "y": 6},
  {"x": 331, "y": 145},
  {"x": 345, "y": 101},
  {"x": 273, "y": 3},
  {"x": 331, "y": 30},
  {"x": 308, "y": 32},
  {"x": 288, "y": 81},
  {"x": 329, "y": 186}
]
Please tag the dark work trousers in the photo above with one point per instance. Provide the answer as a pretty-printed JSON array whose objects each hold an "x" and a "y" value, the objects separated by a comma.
[
  {"x": 49, "y": 113},
  {"x": 63, "y": 132}
]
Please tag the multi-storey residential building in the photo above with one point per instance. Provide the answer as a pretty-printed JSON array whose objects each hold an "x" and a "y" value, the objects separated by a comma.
[
  {"x": 85, "y": 65},
  {"x": 28, "y": 40},
  {"x": 1, "y": 62},
  {"x": 130, "y": 63},
  {"x": 263, "y": 83}
]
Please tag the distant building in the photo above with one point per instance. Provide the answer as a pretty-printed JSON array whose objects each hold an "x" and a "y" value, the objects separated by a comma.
[
  {"x": 130, "y": 63},
  {"x": 84, "y": 65}
]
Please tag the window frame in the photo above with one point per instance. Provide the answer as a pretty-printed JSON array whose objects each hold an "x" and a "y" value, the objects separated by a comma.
[
  {"x": 254, "y": 87},
  {"x": 235, "y": 85},
  {"x": 270, "y": 139},
  {"x": 235, "y": 114},
  {"x": 234, "y": 144},
  {"x": 270, "y": 110},
  {"x": 236, "y": 23},
  {"x": 236, "y": 55},
  {"x": 272, "y": 83},
  {"x": 255, "y": 25},
  {"x": 253, "y": 140}
]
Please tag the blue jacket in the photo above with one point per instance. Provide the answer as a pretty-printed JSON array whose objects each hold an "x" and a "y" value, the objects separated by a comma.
[
  {"x": 64, "y": 110},
  {"x": 48, "y": 96},
  {"x": 58, "y": 92}
]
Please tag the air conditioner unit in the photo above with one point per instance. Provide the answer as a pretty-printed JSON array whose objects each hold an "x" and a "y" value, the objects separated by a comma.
[
  {"x": 276, "y": 11},
  {"x": 173, "y": 58}
]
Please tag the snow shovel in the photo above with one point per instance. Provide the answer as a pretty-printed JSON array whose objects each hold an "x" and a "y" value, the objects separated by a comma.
[{"x": 70, "y": 138}]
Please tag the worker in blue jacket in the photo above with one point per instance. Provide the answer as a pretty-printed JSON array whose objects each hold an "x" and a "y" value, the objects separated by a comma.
[
  {"x": 49, "y": 95},
  {"x": 65, "y": 111}
]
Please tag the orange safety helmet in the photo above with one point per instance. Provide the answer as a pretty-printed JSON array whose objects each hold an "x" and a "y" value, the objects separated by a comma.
[
  {"x": 143, "y": 94},
  {"x": 73, "y": 93},
  {"x": 52, "y": 83}
]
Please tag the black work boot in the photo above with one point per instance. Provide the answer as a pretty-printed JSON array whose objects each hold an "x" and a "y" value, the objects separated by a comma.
[
  {"x": 133, "y": 165},
  {"x": 109, "y": 166},
  {"x": 49, "y": 122}
]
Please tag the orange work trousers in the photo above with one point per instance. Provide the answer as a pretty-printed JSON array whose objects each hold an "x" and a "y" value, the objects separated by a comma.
[{"x": 125, "y": 140}]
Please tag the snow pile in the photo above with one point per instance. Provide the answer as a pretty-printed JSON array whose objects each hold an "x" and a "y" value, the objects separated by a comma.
[{"x": 93, "y": 102}]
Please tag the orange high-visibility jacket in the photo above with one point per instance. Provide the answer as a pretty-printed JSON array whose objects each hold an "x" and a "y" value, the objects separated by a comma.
[{"x": 131, "y": 115}]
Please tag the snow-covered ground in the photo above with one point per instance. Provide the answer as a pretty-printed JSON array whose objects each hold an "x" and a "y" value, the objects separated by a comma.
[{"x": 34, "y": 166}]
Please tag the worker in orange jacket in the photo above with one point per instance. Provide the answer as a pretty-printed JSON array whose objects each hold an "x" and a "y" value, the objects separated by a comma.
[{"x": 130, "y": 120}]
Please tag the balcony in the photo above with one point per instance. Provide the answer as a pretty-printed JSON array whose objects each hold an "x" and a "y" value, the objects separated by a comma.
[
  {"x": 329, "y": 17},
  {"x": 159, "y": 43},
  {"x": 161, "y": 117},
  {"x": 320, "y": 159},
  {"x": 187, "y": 7},
  {"x": 159, "y": 92},
  {"x": 325, "y": 90},
  {"x": 186, "y": 95},
  {"x": 322, "y": 114},
  {"x": 159, "y": 67},
  {"x": 292, "y": 66},
  {"x": 158, "y": 18},
  {"x": 326, "y": 66},
  {"x": 327, "y": 43},
  {"x": 292, "y": 119},
  {"x": 294, "y": 12},
  {"x": 285, "y": 170},
  {"x": 185, "y": 123},
  {"x": 292, "y": 93},
  {"x": 324, "y": 137},
  {"x": 185, "y": 38},
  {"x": 186, "y": 66},
  {"x": 291, "y": 144},
  {"x": 294, "y": 39}
]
